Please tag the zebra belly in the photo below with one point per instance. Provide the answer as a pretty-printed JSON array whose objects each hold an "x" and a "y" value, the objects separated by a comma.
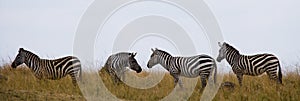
[
  {"x": 57, "y": 74},
  {"x": 255, "y": 73},
  {"x": 190, "y": 75},
  {"x": 189, "y": 72},
  {"x": 56, "y": 77}
]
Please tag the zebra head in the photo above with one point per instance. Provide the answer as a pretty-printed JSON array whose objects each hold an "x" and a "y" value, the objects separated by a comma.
[
  {"x": 133, "y": 64},
  {"x": 222, "y": 50},
  {"x": 153, "y": 58},
  {"x": 20, "y": 58}
]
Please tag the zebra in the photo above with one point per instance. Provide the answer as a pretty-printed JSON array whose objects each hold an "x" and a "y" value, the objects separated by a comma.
[
  {"x": 116, "y": 65},
  {"x": 191, "y": 67},
  {"x": 49, "y": 69},
  {"x": 252, "y": 65}
]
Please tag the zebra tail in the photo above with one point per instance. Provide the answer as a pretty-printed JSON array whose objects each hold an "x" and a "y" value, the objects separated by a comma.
[
  {"x": 80, "y": 73},
  {"x": 279, "y": 74},
  {"x": 215, "y": 72}
]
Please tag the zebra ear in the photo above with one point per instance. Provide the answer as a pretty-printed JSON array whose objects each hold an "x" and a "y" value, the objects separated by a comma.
[
  {"x": 133, "y": 54},
  {"x": 220, "y": 44},
  {"x": 21, "y": 49},
  {"x": 152, "y": 50}
]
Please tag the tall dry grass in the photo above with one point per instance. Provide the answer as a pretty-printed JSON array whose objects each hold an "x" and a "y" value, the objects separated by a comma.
[{"x": 22, "y": 85}]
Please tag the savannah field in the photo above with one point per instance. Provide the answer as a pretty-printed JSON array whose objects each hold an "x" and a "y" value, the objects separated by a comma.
[{"x": 20, "y": 84}]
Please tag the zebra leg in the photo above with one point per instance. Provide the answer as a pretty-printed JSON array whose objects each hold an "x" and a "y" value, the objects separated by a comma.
[
  {"x": 240, "y": 78},
  {"x": 203, "y": 80},
  {"x": 176, "y": 79},
  {"x": 115, "y": 78},
  {"x": 175, "y": 73},
  {"x": 78, "y": 75},
  {"x": 180, "y": 83},
  {"x": 119, "y": 77},
  {"x": 73, "y": 76},
  {"x": 272, "y": 75},
  {"x": 113, "y": 75},
  {"x": 122, "y": 76}
]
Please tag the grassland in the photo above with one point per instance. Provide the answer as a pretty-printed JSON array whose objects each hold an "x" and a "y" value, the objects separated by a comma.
[{"x": 22, "y": 85}]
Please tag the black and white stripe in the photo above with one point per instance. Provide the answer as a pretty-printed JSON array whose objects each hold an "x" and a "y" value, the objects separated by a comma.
[
  {"x": 116, "y": 65},
  {"x": 252, "y": 65},
  {"x": 191, "y": 67},
  {"x": 49, "y": 69}
]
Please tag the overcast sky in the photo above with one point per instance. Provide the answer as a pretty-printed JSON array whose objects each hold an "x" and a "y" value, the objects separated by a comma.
[{"x": 253, "y": 26}]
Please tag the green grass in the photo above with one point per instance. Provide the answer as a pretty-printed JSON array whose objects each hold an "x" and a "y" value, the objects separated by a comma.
[{"x": 22, "y": 85}]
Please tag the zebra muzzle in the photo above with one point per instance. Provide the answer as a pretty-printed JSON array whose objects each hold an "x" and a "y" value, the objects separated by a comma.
[
  {"x": 138, "y": 71},
  {"x": 148, "y": 65},
  {"x": 13, "y": 65}
]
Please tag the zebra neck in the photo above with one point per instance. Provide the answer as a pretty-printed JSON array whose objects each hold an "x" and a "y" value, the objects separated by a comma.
[
  {"x": 32, "y": 61},
  {"x": 233, "y": 57},
  {"x": 166, "y": 61}
]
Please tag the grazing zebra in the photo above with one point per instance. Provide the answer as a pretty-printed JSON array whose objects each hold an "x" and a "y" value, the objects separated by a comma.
[
  {"x": 49, "y": 69},
  {"x": 116, "y": 65},
  {"x": 194, "y": 66},
  {"x": 252, "y": 65}
]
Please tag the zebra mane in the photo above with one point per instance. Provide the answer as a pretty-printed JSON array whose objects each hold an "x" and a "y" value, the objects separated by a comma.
[
  {"x": 231, "y": 47},
  {"x": 30, "y": 53},
  {"x": 164, "y": 52}
]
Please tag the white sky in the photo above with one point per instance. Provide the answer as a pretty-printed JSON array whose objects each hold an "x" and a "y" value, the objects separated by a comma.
[{"x": 253, "y": 26}]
